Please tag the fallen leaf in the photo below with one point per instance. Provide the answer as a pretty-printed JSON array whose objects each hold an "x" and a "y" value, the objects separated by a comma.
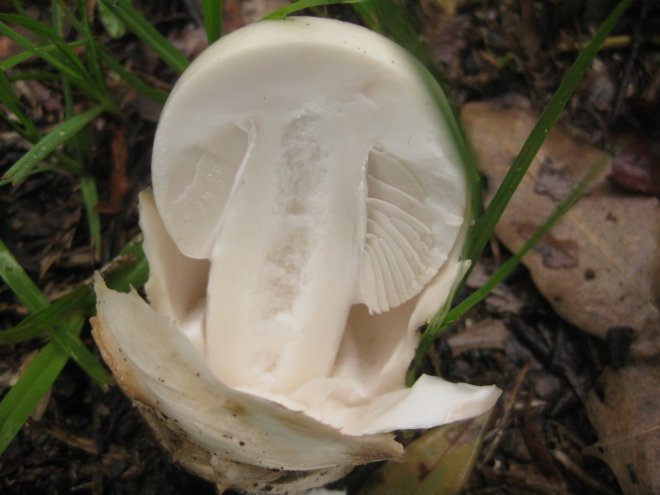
[
  {"x": 554, "y": 252},
  {"x": 8, "y": 48},
  {"x": 118, "y": 180},
  {"x": 625, "y": 411},
  {"x": 447, "y": 38},
  {"x": 636, "y": 166},
  {"x": 238, "y": 13},
  {"x": 553, "y": 182},
  {"x": 447, "y": 6},
  {"x": 437, "y": 463},
  {"x": 146, "y": 107},
  {"x": 39, "y": 97},
  {"x": 599, "y": 267},
  {"x": 191, "y": 40}
]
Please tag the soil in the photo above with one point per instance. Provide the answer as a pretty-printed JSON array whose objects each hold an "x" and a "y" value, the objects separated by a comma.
[{"x": 85, "y": 440}]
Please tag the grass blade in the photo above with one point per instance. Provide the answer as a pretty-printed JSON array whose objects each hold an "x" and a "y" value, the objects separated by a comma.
[
  {"x": 155, "y": 94},
  {"x": 9, "y": 98},
  {"x": 18, "y": 130},
  {"x": 75, "y": 145},
  {"x": 115, "y": 28},
  {"x": 80, "y": 80},
  {"x": 45, "y": 31},
  {"x": 395, "y": 21},
  {"x": 19, "y": 281},
  {"x": 37, "y": 75},
  {"x": 76, "y": 350},
  {"x": 482, "y": 231},
  {"x": 283, "y": 12},
  {"x": 91, "y": 200},
  {"x": 36, "y": 50},
  {"x": 147, "y": 33},
  {"x": 34, "y": 383},
  {"x": 49, "y": 143},
  {"x": 40, "y": 322},
  {"x": 90, "y": 44},
  {"x": 212, "y": 11},
  {"x": 19, "y": 58},
  {"x": 129, "y": 269},
  {"x": 25, "y": 289},
  {"x": 368, "y": 16},
  {"x": 18, "y": 6}
]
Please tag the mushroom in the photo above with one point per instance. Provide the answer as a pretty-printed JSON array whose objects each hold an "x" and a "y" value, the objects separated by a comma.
[{"x": 308, "y": 213}]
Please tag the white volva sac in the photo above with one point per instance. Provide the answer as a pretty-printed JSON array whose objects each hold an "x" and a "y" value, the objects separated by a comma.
[{"x": 308, "y": 211}]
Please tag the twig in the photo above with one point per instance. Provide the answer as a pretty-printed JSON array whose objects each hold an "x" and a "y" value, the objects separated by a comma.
[
  {"x": 634, "y": 52},
  {"x": 508, "y": 408},
  {"x": 537, "y": 447},
  {"x": 580, "y": 473},
  {"x": 527, "y": 484}
]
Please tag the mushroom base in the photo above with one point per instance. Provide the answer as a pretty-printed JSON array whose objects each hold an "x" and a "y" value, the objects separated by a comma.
[
  {"x": 225, "y": 473},
  {"x": 228, "y": 474}
]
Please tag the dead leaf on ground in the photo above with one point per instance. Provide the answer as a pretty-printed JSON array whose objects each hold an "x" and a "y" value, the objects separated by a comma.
[
  {"x": 448, "y": 7},
  {"x": 625, "y": 411},
  {"x": 191, "y": 40},
  {"x": 599, "y": 267},
  {"x": 437, "y": 463},
  {"x": 636, "y": 166},
  {"x": 447, "y": 38},
  {"x": 238, "y": 13},
  {"x": 8, "y": 48},
  {"x": 118, "y": 179}
]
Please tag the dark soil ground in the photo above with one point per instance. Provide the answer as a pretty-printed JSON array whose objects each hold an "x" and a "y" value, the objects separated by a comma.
[{"x": 84, "y": 440}]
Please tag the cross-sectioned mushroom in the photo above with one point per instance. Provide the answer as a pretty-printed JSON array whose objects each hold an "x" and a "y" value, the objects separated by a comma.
[{"x": 308, "y": 214}]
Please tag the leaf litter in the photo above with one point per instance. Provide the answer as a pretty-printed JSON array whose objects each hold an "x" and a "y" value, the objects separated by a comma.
[
  {"x": 599, "y": 270},
  {"x": 602, "y": 251}
]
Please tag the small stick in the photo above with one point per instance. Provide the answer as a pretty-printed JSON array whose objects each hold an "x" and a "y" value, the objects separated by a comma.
[{"x": 508, "y": 408}]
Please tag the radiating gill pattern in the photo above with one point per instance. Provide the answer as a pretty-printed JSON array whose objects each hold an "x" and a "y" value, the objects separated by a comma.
[{"x": 399, "y": 254}]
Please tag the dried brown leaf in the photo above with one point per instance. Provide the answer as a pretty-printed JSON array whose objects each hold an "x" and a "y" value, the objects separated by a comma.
[
  {"x": 191, "y": 40},
  {"x": 118, "y": 180},
  {"x": 437, "y": 463},
  {"x": 238, "y": 13},
  {"x": 625, "y": 410},
  {"x": 599, "y": 267},
  {"x": 636, "y": 166}
]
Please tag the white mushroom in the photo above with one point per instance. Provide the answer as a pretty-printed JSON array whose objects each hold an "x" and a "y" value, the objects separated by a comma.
[{"x": 308, "y": 214}]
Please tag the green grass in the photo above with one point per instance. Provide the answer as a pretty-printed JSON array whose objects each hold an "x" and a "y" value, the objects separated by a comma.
[
  {"x": 300, "y": 5},
  {"x": 212, "y": 12},
  {"x": 62, "y": 321},
  {"x": 79, "y": 69},
  {"x": 142, "y": 28},
  {"x": 30, "y": 295},
  {"x": 63, "y": 133}
]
